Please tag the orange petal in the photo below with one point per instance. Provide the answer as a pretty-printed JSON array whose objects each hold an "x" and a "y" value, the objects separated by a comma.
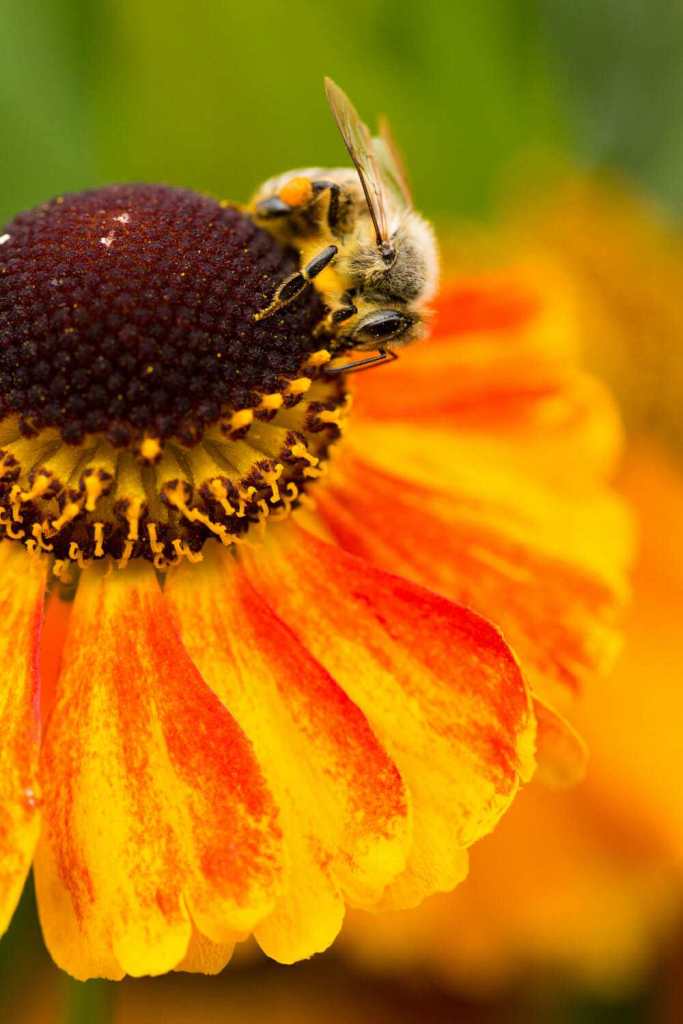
[
  {"x": 156, "y": 813},
  {"x": 487, "y": 302},
  {"x": 22, "y": 585},
  {"x": 570, "y": 435},
  {"x": 204, "y": 956},
  {"x": 561, "y": 753},
  {"x": 547, "y": 568},
  {"x": 493, "y": 338},
  {"x": 55, "y": 627},
  {"x": 437, "y": 684},
  {"x": 342, "y": 804}
]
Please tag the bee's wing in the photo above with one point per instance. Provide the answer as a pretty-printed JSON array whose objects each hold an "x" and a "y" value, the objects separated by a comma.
[
  {"x": 391, "y": 163},
  {"x": 357, "y": 138}
]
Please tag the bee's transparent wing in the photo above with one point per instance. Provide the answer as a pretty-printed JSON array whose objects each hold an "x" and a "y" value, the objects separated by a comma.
[
  {"x": 357, "y": 139},
  {"x": 392, "y": 166}
]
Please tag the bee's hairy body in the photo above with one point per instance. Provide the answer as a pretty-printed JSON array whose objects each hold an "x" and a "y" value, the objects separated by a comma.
[
  {"x": 357, "y": 278},
  {"x": 361, "y": 244}
]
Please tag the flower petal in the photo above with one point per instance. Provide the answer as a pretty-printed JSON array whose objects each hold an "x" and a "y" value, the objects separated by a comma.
[
  {"x": 494, "y": 339},
  {"x": 22, "y": 585},
  {"x": 204, "y": 956},
  {"x": 156, "y": 813},
  {"x": 343, "y": 808},
  {"x": 561, "y": 752},
  {"x": 547, "y": 568},
  {"x": 567, "y": 886},
  {"x": 437, "y": 684}
]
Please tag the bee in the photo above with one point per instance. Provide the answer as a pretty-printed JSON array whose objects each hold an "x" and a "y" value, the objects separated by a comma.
[{"x": 372, "y": 258}]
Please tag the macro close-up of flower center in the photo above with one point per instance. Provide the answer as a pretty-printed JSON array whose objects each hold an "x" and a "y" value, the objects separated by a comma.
[{"x": 144, "y": 409}]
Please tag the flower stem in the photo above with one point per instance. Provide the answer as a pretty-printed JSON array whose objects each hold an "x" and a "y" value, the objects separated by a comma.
[{"x": 89, "y": 1002}]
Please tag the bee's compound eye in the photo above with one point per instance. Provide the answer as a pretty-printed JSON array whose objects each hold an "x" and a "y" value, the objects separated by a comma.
[{"x": 381, "y": 326}]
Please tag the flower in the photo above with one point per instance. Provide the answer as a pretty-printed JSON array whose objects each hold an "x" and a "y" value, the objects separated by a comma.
[
  {"x": 626, "y": 263},
  {"x": 291, "y": 721},
  {"x": 603, "y": 901},
  {"x": 585, "y": 883}
]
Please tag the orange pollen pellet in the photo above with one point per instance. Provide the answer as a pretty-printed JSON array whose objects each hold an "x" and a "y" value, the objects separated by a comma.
[{"x": 297, "y": 192}]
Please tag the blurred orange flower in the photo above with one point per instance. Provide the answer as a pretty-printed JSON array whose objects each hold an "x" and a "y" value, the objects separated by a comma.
[
  {"x": 589, "y": 881},
  {"x": 296, "y": 724}
]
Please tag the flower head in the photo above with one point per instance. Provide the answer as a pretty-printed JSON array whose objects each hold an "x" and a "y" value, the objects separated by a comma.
[
  {"x": 296, "y": 712},
  {"x": 144, "y": 408}
]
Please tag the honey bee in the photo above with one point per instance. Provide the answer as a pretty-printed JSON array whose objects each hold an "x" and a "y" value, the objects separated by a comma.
[{"x": 372, "y": 258}]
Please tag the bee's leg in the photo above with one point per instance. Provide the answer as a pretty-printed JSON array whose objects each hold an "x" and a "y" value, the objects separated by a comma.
[
  {"x": 336, "y": 316},
  {"x": 333, "y": 203},
  {"x": 273, "y": 206},
  {"x": 386, "y": 355},
  {"x": 295, "y": 284},
  {"x": 345, "y": 310}
]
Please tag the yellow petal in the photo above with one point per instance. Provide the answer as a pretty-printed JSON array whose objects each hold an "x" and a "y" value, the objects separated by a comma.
[
  {"x": 342, "y": 804},
  {"x": 156, "y": 812},
  {"x": 22, "y": 584},
  {"x": 437, "y": 684}
]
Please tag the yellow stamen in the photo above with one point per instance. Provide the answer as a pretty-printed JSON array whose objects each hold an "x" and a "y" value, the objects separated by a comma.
[
  {"x": 239, "y": 420},
  {"x": 300, "y": 451},
  {"x": 319, "y": 358},
  {"x": 98, "y": 531},
  {"x": 37, "y": 531},
  {"x": 126, "y": 555},
  {"x": 154, "y": 542},
  {"x": 269, "y": 403},
  {"x": 219, "y": 491},
  {"x": 69, "y": 512},
  {"x": 271, "y": 477},
  {"x": 299, "y": 386},
  {"x": 150, "y": 449}
]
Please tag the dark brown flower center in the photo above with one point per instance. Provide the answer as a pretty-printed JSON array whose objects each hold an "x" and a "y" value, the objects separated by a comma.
[
  {"x": 130, "y": 310},
  {"x": 143, "y": 409}
]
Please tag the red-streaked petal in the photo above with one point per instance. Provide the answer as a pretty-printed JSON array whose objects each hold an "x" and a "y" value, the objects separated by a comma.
[
  {"x": 487, "y": 303},
  {"x": 570, "y": 436},
  {"x": 494, "y": 339},
  {"x": 546, "y": 568},
  {"x": 343, "y": 808},
  {"x": 156, "y": 813},
  {"x": 53, "y": 635},
  {"x": 436, "y": 682},
  {"x": 22, "y": 585}
]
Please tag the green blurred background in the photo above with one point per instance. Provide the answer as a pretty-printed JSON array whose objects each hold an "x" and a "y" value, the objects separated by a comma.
[{"x": 218, "y": 95}]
